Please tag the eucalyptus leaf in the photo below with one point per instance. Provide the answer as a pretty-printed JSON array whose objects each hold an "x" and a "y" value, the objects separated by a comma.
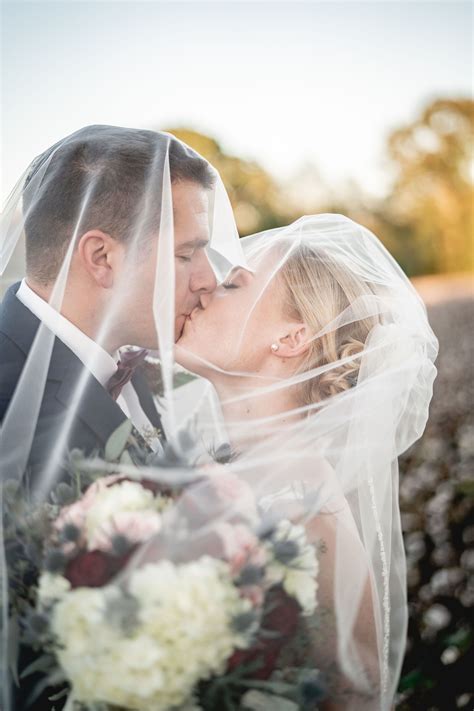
[
  {"x": 117, "y": 441},
  {"x": 44, "y": 663},
  {"x": 53, "y": 679},
  {"x": 259, "y": 701},
  {"x": 126, "y": 459},
  {"x": 182, "y": 378},
  {"x": 59, "y": 695},
  {"x": 272, "y": 686}
]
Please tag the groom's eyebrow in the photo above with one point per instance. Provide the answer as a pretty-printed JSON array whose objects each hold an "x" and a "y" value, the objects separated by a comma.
[{"x": 193, "y": 244}]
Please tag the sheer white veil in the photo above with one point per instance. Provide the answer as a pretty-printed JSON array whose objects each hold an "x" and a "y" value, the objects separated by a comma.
[
  {"x": 315, "y": 437},
  {"x": 358, "y": 400}
]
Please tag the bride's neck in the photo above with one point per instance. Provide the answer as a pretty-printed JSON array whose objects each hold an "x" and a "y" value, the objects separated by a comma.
[{"x": 243, "y": 404}]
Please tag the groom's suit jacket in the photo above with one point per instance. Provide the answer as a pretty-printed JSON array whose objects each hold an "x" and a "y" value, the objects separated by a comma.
[
  {"x": 96, "y": 415},
  {"x": 95, "y": 418}
]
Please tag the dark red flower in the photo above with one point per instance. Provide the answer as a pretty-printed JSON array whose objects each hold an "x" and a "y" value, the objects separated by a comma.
[
  {"x": 282, "y": 617},
  {"x": 155, "y": 487},
  {"x": 94, "y": 569}
]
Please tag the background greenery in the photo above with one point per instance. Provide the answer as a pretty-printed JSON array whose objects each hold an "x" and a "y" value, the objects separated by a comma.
[{"x": 426, "y": 220}]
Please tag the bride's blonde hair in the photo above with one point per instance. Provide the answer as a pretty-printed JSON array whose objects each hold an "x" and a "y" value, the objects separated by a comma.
[{"x": 317, "y": 289}]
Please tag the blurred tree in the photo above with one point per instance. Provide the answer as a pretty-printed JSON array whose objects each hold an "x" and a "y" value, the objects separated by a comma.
[
  {"x": 255, "y": 196},
  {"x": 430, "y": 211},
  {"x": 426, "y": 221}
]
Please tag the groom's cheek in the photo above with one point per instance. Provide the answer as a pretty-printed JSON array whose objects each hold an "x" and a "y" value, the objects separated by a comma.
[{"x": 181, "y": 285}]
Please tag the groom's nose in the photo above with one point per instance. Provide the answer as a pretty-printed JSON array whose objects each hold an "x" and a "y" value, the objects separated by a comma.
[
  {"x": 203, "y": 279},
  {"x": 205, "y": 299}
]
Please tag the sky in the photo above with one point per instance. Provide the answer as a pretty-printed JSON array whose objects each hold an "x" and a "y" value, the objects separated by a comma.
[{"x": 286, "y": 84}]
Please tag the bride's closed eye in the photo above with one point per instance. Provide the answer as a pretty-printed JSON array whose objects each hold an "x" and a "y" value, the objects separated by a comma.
[{"x": 237, "y": 278}]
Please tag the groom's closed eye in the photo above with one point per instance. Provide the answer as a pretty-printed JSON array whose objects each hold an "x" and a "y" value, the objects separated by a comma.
[{"x": 187, "y": 250}]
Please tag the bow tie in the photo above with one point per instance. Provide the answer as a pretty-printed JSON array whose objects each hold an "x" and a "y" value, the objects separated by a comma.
[{"x": 126, "y": 367}]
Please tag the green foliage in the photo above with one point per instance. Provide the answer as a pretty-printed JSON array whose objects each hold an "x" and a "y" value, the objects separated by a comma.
[
  {"x": 426, "y": 221},
  {"x": 256, "y": 198},
  {"x": 433, "y": 192},
  {"x": 117, "y": 441}
]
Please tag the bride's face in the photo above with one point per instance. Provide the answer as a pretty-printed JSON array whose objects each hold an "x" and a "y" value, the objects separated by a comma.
[{"x": 236, "y": 326}]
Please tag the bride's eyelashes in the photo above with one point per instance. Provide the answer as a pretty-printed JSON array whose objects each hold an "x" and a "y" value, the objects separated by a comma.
[{"x": 230, "y": 286}]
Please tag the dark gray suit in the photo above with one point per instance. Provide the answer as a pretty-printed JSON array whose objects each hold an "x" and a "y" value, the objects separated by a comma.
[{"x": 97, "y": 414}]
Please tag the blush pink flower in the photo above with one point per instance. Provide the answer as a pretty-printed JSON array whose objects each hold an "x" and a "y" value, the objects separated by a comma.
[
  {"x": 254, "y": 593},
  {"x": 135, "y": 526},
  {"x": 219, "y": 496},
  {"x": 234, "y": 493},
  {"x": 240, "y": 546}
]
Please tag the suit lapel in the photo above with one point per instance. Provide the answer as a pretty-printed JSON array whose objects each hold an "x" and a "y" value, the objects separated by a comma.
[
  {"x": 80, "y": 390},
  {"x": 147, "y": 402}
]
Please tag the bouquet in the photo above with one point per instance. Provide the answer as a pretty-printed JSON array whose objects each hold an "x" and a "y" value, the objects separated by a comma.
[{"x": 155, "y": 598}]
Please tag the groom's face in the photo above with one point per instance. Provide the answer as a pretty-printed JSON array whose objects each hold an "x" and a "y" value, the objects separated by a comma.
[{"x": 193, "y": 273}]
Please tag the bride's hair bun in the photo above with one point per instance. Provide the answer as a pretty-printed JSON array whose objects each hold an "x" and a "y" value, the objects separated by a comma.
[
  {"x": 344, "y": 376},
  {"x": 318, "y": 288}
]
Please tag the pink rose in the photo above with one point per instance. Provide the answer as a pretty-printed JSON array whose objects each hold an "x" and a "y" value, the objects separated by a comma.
[
  {"x": 234, "y": 491},
  {"x": 240, "y": 546},
  {"x": 135, "y": 526},
  {"x": 253, "y": 593},
  {"x": 218, "y": 496}
]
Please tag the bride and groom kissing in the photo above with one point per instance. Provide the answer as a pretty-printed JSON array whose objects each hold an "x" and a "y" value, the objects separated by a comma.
[
  {"x": 92, "y": 213},
  {"x": 317, "y": 346},
  {"x": 92, "y": 208}
]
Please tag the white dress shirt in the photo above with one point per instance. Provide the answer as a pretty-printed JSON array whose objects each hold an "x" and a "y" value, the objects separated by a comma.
[{"x": 100, "y": 363}]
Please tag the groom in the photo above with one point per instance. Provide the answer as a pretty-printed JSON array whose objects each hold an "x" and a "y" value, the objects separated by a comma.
[{"x": 102, "y": 183}]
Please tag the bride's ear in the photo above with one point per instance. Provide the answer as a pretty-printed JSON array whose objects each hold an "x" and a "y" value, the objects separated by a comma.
[{"x": 294, "y": 343}]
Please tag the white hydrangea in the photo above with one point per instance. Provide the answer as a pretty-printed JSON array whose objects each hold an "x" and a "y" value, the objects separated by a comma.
[
  {"x": 126, "y": 496},
  {"x": 183, "y": 633},
  {"x": 298, "y": 576},
  {"x": 52, "y": 587}
]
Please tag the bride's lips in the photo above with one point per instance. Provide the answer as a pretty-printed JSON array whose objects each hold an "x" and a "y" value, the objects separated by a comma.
[
  {"x": 181, "y": 322},
  {"x": 187, "y": 320},
  {"x": 193, "y": 313}
]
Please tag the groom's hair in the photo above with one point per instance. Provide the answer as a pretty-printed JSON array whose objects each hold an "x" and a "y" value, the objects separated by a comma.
[{"x": 101, "y": 177}]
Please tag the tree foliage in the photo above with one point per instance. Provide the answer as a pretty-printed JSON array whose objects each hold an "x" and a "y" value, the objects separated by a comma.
[
  {"x": 254, "y": 194},
  {"x": 432, "y": 199},
  {"x": 426, "y": 221}
]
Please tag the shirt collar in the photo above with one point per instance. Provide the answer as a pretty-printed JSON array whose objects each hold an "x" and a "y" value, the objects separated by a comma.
[{"x": 100, "y": 363}]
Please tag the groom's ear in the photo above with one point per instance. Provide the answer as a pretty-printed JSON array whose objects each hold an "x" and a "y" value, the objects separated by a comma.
[
  {"x": 101, "y": 256},
  {"x": 295, "y": 342}
]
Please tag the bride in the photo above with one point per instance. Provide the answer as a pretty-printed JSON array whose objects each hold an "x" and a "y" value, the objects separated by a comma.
[{"x": 322, "y": 359}]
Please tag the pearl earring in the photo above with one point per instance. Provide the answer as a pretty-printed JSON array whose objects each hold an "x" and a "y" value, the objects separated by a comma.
[{"x": 275, "y": 347}]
